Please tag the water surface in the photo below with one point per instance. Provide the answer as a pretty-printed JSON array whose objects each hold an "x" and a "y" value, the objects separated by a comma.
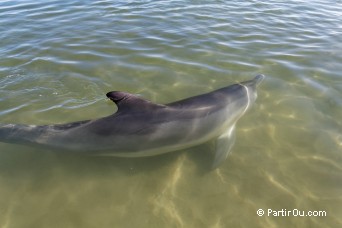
[{"x": 59, "y": 58}]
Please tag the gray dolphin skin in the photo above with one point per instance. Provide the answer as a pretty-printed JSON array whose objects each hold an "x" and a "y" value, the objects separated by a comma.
[{"x": 142, "y": 128}]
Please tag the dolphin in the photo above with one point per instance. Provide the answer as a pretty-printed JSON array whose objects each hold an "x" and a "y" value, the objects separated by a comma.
[{"x": 140, "y": 127}]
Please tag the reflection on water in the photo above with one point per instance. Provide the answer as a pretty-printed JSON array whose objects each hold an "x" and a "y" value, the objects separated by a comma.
[{"x": 59, "y": 58}]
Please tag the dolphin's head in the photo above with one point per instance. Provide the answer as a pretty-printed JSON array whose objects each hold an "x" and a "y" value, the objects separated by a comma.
[{"x": 251, "y": 85}]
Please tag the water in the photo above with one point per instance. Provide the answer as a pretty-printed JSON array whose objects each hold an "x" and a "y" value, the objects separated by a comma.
[{"x": 59, "y": 58}]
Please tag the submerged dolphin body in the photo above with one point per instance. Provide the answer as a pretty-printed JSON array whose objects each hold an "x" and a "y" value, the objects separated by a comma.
[{"x": 142, "y": 128}]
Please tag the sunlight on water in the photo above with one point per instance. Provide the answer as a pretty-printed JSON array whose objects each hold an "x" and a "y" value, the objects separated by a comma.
[{"x": 60, "y": 58}]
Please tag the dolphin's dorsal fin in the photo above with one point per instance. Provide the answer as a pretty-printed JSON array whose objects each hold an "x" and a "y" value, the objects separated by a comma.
[{"x": 130, "y": 102}]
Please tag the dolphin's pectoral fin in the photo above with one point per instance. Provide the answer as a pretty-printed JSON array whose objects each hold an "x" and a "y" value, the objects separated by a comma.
[{"x": 224, "y": 144}]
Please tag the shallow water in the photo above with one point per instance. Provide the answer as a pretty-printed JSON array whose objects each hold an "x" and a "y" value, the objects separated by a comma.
[{"x": 59, "y": 58}]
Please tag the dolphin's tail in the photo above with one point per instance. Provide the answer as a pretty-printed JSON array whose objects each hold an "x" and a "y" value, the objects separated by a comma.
[{"x": 19, "y": 133}]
